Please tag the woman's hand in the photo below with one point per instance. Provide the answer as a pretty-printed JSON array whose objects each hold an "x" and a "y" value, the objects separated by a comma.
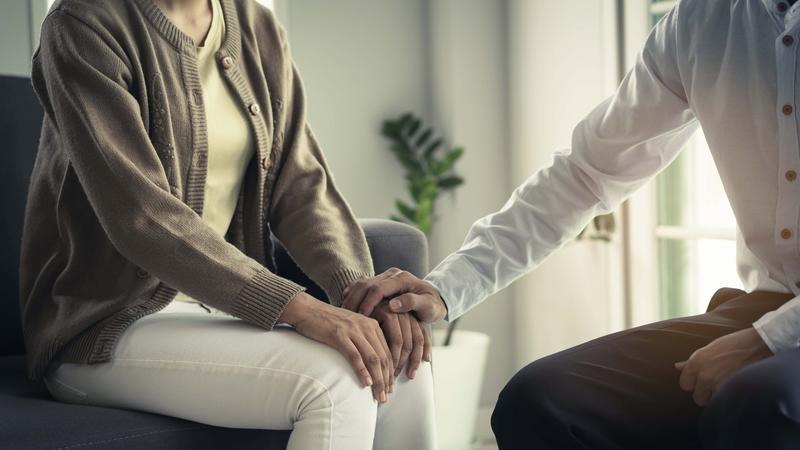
[
  {"x": 357, "y": 337},
  {"x": 408, "y": 341}
]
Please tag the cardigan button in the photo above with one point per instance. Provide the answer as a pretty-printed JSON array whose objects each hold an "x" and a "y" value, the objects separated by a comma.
[
  {"x": 227, "y": 62},
  {"x": 782, "y": 7},
  {"x": 787, "y": 110},
  {"x": 786, "y": 233},
  {"x": 254, "y": 109},
  {"x": 788, "y": 40}
]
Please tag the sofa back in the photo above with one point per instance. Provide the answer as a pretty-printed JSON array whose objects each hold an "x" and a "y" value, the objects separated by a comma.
[{"x": 20, "y": 124}]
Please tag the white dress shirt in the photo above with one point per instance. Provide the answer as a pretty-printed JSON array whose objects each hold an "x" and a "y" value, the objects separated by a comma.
[{"x": 727, "y": 66}]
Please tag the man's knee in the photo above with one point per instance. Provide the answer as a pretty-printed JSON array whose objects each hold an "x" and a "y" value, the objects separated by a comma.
[
  {"x": 526, "y": 408},
  {"x": 756, "y": 404}
]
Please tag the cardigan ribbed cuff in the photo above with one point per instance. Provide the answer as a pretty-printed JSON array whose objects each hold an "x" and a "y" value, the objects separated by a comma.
[
  {"x": 263, "y": 299},
  {"x": 340, "y": 280}
]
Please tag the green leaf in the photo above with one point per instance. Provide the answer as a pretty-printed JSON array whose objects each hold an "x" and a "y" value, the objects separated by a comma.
[
  {"x": 413, "y": 127},
  {"x": 423, "y": 138},
  {"x": 438, "y": 166},
  {"x": 407, "y": 211},
  {"x": 428, "y": 152},
  {"x": 404, "y": 119},
  {"x": 423, "y": 214},
  {"x": 450, "y": 158},
  {"x": 397, "y": 218},
  {"x": 450, "y": 182}
]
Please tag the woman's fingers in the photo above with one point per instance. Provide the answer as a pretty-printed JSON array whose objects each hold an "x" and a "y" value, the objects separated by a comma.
[
  {"x": 350, "y": 351},
  {"x": 388, "y": 355},
  {"x": 408, "y": 341},
  {"x": 418, "y": 348},
  {"x": 375, "y": 337},
  {"x": 373, "y": 363},
  {"x": 394, "y": 336},
  {"x": 426, "y": 350}
]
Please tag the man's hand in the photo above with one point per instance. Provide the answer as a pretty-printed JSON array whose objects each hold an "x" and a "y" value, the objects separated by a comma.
[
  {"x": 412, "y": 293},
  {"x": 358, "y": 338},
  {"x": 709, "y": 366},
  {"x": 408, "y": 340}
]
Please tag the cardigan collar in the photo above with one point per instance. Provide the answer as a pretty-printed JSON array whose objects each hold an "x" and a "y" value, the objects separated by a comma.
[{"x": 231, "y": 43}]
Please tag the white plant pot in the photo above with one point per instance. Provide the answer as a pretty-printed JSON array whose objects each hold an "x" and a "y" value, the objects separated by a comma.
[{"x": 457, "y": 378}]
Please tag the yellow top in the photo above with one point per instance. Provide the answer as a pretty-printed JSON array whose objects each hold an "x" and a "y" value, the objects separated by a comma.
[{"x": 230, "y": 143}]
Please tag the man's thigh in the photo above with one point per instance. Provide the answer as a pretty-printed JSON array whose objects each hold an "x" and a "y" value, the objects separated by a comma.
[
  {"x": 621, "y": 390},
  {"x": 757, "y": 407},
  {"x": 211, "y": 369}
]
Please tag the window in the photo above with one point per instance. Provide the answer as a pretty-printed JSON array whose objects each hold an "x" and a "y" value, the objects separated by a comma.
[{"x": 687, "y": 215}]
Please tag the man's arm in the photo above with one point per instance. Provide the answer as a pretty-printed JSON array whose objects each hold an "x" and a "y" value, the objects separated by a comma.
[{"x": 616, "y": 148}]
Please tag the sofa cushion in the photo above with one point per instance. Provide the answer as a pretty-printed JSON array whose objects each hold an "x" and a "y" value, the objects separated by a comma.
[{"x": 31, "y": 419}]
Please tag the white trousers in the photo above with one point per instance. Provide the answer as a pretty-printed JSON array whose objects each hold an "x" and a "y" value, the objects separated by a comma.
[{"x": 203, "y": 365}]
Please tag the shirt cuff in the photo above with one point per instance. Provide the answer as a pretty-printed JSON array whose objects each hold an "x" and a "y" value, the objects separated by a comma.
[
  {"x": 459, "y": 285},
  {"x": 780, "y": 329}
]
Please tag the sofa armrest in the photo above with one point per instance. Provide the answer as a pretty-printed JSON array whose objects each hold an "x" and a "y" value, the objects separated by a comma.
[{"x": 392, "y": 244}]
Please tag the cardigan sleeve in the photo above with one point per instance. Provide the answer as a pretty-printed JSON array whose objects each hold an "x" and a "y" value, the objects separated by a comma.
[
  {"x": 308, "y": 213},
  {"x": 82, "y": 79}
]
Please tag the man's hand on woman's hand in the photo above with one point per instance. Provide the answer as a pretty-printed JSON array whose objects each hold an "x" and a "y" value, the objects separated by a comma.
[
  {"x": 358, "y": 337},
  {"x": 408, "y": 340},
  {"x": 412, "y": 294}
]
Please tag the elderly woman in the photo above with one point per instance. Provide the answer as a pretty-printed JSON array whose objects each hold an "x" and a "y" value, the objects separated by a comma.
[{"x": 175, "y": 138}]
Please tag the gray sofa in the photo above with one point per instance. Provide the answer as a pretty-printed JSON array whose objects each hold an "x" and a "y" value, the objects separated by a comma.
[{"x": 29, "y": 418}]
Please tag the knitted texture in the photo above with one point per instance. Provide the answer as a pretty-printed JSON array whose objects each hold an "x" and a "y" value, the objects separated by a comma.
[{"x": 112, "y": 227}]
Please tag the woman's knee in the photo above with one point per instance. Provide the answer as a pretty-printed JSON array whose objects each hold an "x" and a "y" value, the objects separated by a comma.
[{"x": 335, "y": 385}]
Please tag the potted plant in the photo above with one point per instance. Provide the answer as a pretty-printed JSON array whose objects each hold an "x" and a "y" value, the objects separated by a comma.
[{"x": 460, "y": 356}]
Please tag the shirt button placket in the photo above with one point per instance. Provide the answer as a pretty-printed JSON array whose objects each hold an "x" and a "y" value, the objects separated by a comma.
[{"x": 788, "y": 201}]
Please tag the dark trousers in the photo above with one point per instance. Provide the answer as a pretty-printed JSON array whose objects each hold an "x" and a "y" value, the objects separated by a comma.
[{"x": 621, "y": 391}]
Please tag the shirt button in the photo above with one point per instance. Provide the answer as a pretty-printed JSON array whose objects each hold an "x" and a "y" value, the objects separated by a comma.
[
  {"x": 788, "y": 40},
  {"x": 141, "y": 273},
  {"x": 791, "y": 175},
  {"x": 787, "y": 109},
  {"x": 227, "y": 62},
  {"x": 782, "y": 7},
  {"x": 786, "y": 233},
  {"x": 254, "y": 108}
]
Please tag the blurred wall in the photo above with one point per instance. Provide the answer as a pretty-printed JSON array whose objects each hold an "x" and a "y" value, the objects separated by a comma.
[
  {"x": 361, "y": 62},
  {"x": 19, "y": 21},
  {"x": 562, "y": 64}
]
